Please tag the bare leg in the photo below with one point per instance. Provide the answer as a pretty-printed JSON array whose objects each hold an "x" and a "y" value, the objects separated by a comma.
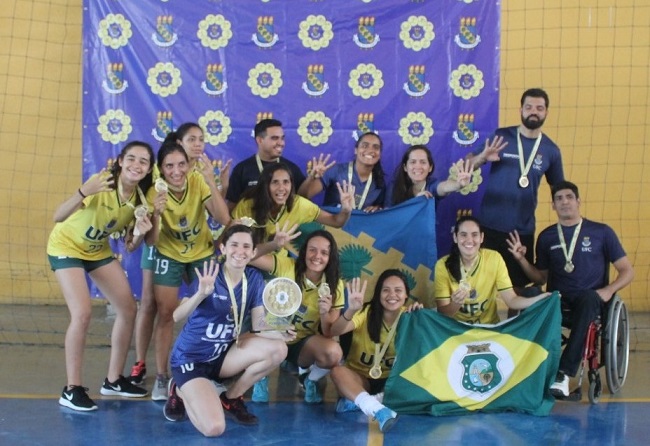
[
  {"x": 166, "y": 302},
  {"x": 203, "y": 406},
  {"x": 77, "y": 297},
  {"x": 146, "y": 315},
  {"x": 112, "y": 282}
]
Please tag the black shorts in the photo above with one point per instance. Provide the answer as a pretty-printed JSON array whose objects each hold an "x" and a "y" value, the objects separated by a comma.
[
  {"x": 209, "y": 370},
  {"x": 496, "y": 240}
]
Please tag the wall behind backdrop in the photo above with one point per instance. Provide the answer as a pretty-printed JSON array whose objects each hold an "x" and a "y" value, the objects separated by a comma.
[{"x": 591, "y": 56}]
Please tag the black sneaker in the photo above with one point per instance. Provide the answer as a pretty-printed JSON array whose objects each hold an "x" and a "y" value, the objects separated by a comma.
[
  {"x": 236, "y": 409},
  {"x": 77, "y": 399},
  {"x": 174, "y": 409},
  {"x": 138, "y": 373},
  {"x": 122, "y": 387}
]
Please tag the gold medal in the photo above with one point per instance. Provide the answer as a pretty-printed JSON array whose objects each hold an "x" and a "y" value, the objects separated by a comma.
[
  {"x": 161, "y": 185},
  {"x": 465, "y": 285},
  {"x": 523, "y": 181},
  {"x": 324, "y": 290},
  {"x": 569, "y": 267},
  {"x": 375, "y": 372}
]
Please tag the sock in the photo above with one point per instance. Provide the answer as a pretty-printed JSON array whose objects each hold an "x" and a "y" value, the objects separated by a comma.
[
  {"x": 368, "y": 404},
  {"x": 317, "y": 373},
  {"x": 379, "y": 397},
  {"x": 302, "y": 371}
]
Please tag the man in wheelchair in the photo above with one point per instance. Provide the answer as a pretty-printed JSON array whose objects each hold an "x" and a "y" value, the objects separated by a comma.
[{"x": 573, "y": 257}]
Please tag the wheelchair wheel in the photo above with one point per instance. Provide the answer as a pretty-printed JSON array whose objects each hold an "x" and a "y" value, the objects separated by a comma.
[
  {"x": 617, "y": 345},
  {"x": 595, "y": 387}
]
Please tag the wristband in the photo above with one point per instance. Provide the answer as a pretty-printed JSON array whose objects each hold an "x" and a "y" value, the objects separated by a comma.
[
  {"x": 81, "y": 193},
  {"x": 343, "y": 315}
]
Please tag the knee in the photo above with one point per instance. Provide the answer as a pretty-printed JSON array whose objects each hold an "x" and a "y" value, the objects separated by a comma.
[
  {"x": 279, "y": 353},
  {"x": 212, "y": 428},
  {"x": 332, "y": 355}
]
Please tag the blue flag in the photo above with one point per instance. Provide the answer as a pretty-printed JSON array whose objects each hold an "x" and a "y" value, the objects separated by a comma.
[{"x": 446, "y": 367}]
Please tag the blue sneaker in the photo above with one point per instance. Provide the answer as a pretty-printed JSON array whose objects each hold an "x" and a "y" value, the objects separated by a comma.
[
  {"x": 386, "y": 419},
  {"x": 261, "y": 391},
  {"x": 345, "y": 405},
  {"x": 312, "y": 394}
]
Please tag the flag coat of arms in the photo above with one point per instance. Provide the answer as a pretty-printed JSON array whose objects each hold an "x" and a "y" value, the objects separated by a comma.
[{"x": 446, "y": 367}]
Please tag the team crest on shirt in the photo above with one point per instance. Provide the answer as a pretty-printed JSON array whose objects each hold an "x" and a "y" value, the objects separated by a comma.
[
  {"x": 114, "y": 82},
  {"x": 416, "y": 85},
  {"x": 164, "y": 35},
  {"x": 586, "y": 244},
  {"x": 538, "y": 161},
  {"x": 111, "y": 224},
  {"x": 366, "y": 36},
  {"x": 182, "y": 222},
  {"x": 163, "y": 125},
  {"x": 467, "y": 37},
  {"x": 465, "y": 133},
  {"x": 265, "y": 36},
  {"x": 481, "y": 373},
  {"x": 214, "y": 84}
]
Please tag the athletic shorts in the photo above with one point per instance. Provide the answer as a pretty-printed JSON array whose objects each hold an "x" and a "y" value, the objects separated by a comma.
[
  {"x": 59, "y": 262},
  {"x": 148, "y": 258},
  {"x": 209, "y": 370},
  {"x": 170, "y": 272}
]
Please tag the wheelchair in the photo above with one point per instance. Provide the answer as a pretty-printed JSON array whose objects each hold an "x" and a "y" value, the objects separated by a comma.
[{"x": 607, "y": 346}]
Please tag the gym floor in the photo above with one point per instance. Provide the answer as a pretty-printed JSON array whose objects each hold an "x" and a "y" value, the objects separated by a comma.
[{"x": 33, "y": 374}]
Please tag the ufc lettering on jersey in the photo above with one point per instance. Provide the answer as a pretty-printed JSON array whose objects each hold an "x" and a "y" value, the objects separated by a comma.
[
  {"x": 368, "y": 359},
  {"x": 219, "y": 331},
  {"x": 97, "y": 234},
  {"x": 187, "y": 234},
  {"x": 473, "y": 308},
  {"x": 298, "y": 320}
]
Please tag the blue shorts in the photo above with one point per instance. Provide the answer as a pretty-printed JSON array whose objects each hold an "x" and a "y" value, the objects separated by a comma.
[
  {"x": 59, "y": 262},
  {"x": 209, "y": 370}
]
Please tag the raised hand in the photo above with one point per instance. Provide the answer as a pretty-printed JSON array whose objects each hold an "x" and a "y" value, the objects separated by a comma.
[
  {"x": 516, "y": 248},
  {"x": 207, "y": 277},
  {"x": 356, "y": 293},
  {"x": 102, "y": 182},
  {"x": 346, "y": 192},
  {"x": 492, "y": 149},
  {"x": 319, "y": 166},
  {"x": 224, "y": 173},
  {"x": 464, "y": 169},
  {"x": 285, "y": 234}
]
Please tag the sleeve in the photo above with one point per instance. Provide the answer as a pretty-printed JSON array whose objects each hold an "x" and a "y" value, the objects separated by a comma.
[
  {"x": 242, "y": 209},
  {"x": 542, "y": 252},
  {"x": 340, "y": 296},
  {"x": 502, "y": 277},
  {"x": 442, "y": 283},
  {"x": 257, "y": 288},
  {"x": 235, "y": 187},
  {"x": 555, "y": 172},
  {"x": 613, "y": 247}
]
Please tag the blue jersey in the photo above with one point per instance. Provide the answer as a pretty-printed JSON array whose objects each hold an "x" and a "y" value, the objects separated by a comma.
[
  {"x": 506, "y": 206},
  {"x": 210, "y": 329},
  {"x": 596, "y": 248},
  {"x": 339, "y": 173}
]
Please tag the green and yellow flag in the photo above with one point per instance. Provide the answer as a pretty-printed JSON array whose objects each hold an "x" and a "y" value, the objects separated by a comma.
[{"x": 446, "y": 367}]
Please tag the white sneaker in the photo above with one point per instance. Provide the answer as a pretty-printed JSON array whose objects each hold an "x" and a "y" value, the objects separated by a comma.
[
  {"x": 159, "y": 391},
  {"x": 560, "y": 388}
]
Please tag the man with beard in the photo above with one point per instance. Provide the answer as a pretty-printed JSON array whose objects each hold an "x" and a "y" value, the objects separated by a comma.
[{"x": 519, "y": 157}]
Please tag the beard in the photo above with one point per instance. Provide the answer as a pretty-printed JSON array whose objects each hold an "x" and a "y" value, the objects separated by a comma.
[{"x": 532, "y": 124}]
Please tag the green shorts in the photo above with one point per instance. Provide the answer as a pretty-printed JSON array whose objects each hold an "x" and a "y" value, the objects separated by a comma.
[
  {"x": 147, "y": 260},
  {"x": 60, "y": 262},
  {"x": 170, "y": 272}
]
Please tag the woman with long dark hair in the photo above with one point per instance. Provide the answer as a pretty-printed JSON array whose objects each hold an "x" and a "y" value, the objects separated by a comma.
[
  {"x": 360, "y": 381},
  {"x": 78, "y": 245},
  {"x": 470, "y": 278},
  {"x": 316, "y": 271}
]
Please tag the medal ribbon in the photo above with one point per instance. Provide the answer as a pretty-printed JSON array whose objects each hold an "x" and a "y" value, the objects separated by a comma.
[
  {"x": 569, "y": 255},
  {"x": 365, "y": 190},
  {"x": 379, "y": 353},
  {"x": 520, "y": 150},
  {"x": 239, "y": 317},
  {"x": 258, "y": 160}
]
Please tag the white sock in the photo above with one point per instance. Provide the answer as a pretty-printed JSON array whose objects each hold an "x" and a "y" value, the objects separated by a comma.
[
  {"x": 368, "y": 404},
  {"x": 317, "y": 373},
  {"x": 379, "y": 397},
  {"x": 302, "y": 371}
]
